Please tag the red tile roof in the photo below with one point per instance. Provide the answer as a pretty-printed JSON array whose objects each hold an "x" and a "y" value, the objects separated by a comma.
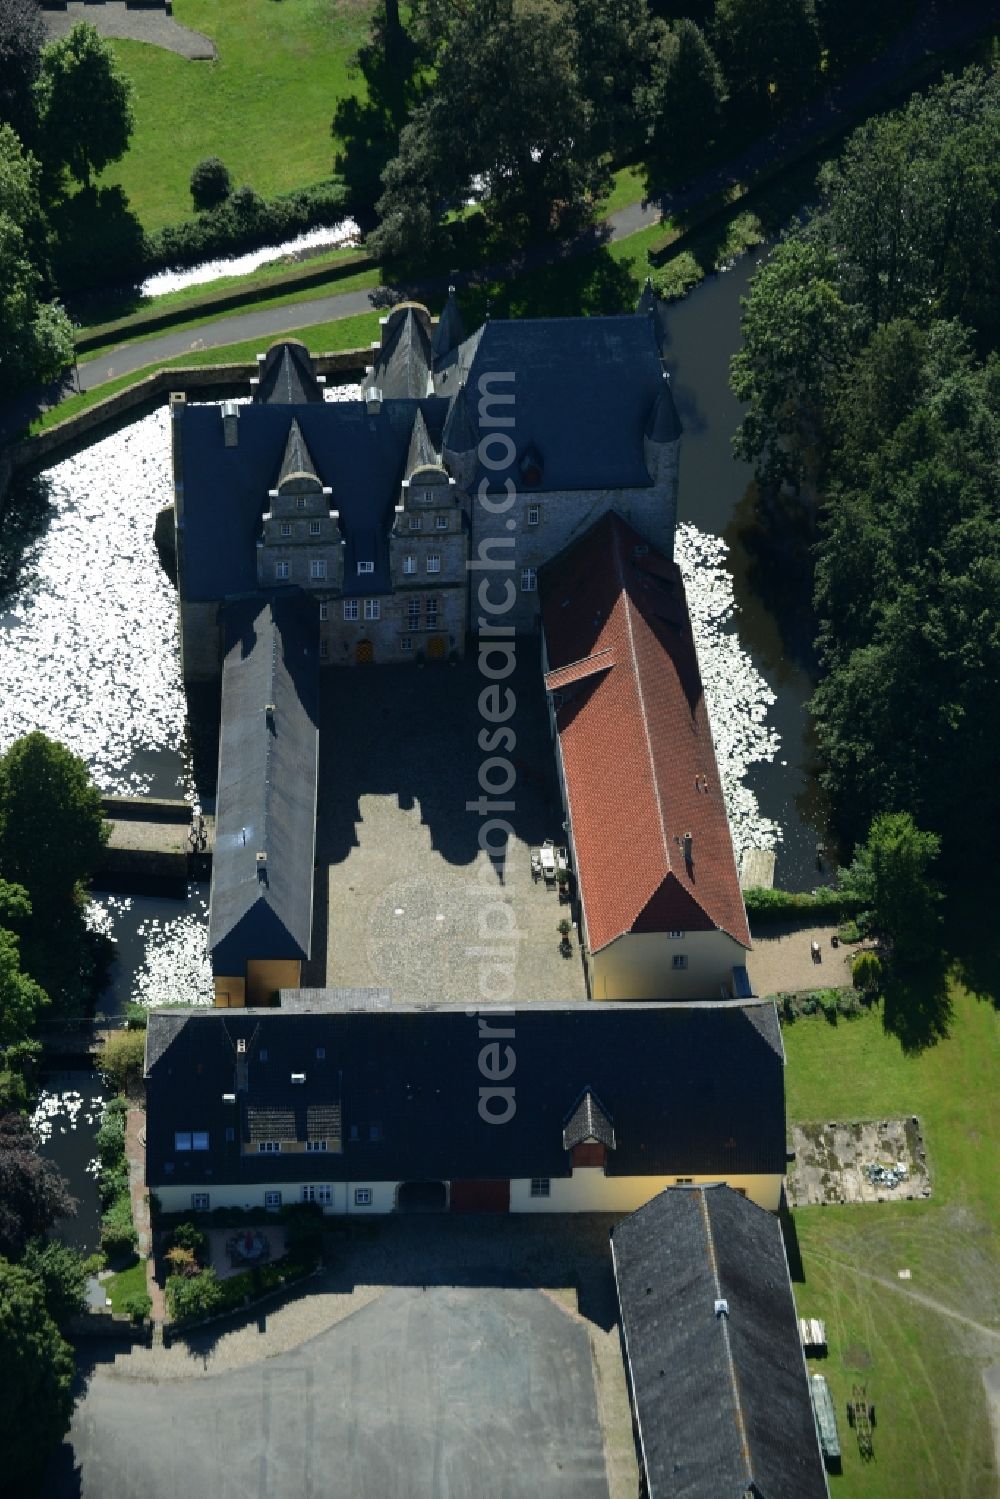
[{"x": 636, "y": 744}]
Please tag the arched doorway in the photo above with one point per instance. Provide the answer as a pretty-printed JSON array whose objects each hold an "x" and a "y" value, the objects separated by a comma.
[
  {"x": 421, "y": 1197},
  {"x": 365, "y": 653}
]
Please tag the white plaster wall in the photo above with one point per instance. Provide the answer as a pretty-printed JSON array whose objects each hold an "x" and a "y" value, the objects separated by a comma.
[
  {"x": 177, "y": 1199},
  {"x": 640, "y": 966}
]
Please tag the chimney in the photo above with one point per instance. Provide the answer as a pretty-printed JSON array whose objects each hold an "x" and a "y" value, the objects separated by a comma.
[
  {"x": 230, "y": 421},
  {"x": 722, "y": 1309},
  {"x": 373, "y": 400},
  {"x": 688, "y": 845},
  {"x": 298, "y": 1077},
  {"x": 262, "y": 866},
  {"x": 269, "y": 714}
]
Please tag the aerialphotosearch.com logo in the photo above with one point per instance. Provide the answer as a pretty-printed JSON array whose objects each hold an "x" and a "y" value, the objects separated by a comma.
[{"x": 494, "y": 596}]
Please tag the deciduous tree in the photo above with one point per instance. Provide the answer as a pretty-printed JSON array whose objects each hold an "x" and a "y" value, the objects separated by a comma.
[
  {"x": 85, "y": 104},
  {"x": 769, "y": 51},
  {"x": 891, "y": 874},
  {"x": 22, "y": 36},
  {"x": 32, "y": 1192},
  {"x": 36, "y": 1377},
  {"x": 52, "y": 829},
  {"x": 682, "y": 104},
  {"x": 36, "y": 337}
]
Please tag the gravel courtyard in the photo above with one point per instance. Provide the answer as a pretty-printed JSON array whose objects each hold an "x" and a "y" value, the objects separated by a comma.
[{"x": 405, "y": 898}]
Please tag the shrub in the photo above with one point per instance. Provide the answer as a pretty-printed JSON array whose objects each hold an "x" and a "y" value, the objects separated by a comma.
[
  {"x": 123, "y": 1058},
  {"x": 784, "y": 905},
  {"x": 136, "y": 1017},
  {"x": 181, "y": 1260},
  {"x": 118, "y": 1235},
  {"x": 849, "y": 931},
  {"x": 190, "y": 1298},
  {"x": 246, "y": 203},
  {"x": 866, "y": 971},
  {"x": 210, "y": 183},
  {"x": 188, "y": 1236},
  {"x": 138, "y": 1305}
]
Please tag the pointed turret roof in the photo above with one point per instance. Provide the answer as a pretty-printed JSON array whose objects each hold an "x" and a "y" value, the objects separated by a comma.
[
  {"x": 297, "y": 462},
  {"x": 460, "y": 435},
  {"x": 664, "y": 425},
  {"x": 287, "y": 377},
  {"x": 403, "y": 365},
  {"x": 450, "y": 330},
  {"x": 421, "y": 452}
]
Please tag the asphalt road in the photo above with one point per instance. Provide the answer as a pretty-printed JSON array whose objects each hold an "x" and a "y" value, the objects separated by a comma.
[{"x": 448, "y": 1393}]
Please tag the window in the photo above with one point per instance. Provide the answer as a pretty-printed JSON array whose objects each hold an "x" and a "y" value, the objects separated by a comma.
[
  {"x": 315, "y": 1145},
  {"x": 317, "y": 568},
  {"x": 315, "y": 528},
  {"x": 678, "y": 960},
  {"x": 409, "y": 564},
  {"x": 533, "y": 514},
  {"x": 281, "y": 571},
  {"x": 684, "y": 1181},
  {"x": 230, "y": 1134},
  {"x": 540, "y": 1186},
  {"x": 182, "y": 1140},
  {"x": 272, "y": 1199},
  {"x": 366, "y": 567},
  {"x": 373, "y": 609},
  {"x": 200, "y": 1202},
  {"x": 324, "y": 650},
  {"x": 675, "y": 935},
  {"x": 431, "y": 608},
  {"x": 323, "y": 1193},
  {"x": 529, "y": 580},
  {"x": 362, "y": 1197},
  {"x": 300, "y": 502},
  {"x": 286, "y": 528},
  {"x": 416, "y": 522},
  {"x": 406, "y": 643},
  {"x": 413, "y": 614},
  {"x": 199, "y": 1140},
  {"x": 324, "y": 610},
  {"x": 321, "y": 1053},
  {"x": 350, "y": 608},
  {"x": 262, "y": 1054},
  {"x": 268, "y": 1147},
  {"x": 434, "y": 562},
  {"x": 440, "y": 523}
]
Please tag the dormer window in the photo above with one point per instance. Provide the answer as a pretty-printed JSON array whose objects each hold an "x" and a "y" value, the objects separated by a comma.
[
  {"x": 300, "y": 502},
  {"x": 366, "y": 567},
  {"x": 531, "y": 467}
]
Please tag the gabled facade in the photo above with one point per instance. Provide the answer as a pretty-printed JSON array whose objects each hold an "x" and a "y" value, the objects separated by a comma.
[
  {"x": 360, "y": 1107},
  {"x": 662, "y": 910}
]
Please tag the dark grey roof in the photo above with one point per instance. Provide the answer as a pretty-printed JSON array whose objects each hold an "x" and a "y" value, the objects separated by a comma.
[
  {"x": 270, "y": 1124},
  {"x": 322, "y": 1001},
  {"x": 286, "y": 376},
  {"x": 450, "y": 331},
  {"x": 297, "y": 461},
  {"x": 266, "y": 796},
  {"x": 588, "y": 1123},
  {"x": 664, "y": 424},
  {"x": 722, "y": 1400},
  {"x": 584, "y": 389},
  {"x": 460, "y": 434},
  {"x": 403, "y": 365},
  {"x": 692, "y": 1089},
  {"x": 421, "y": 452},
  {"x": 649, "y": 305},
  {"x": 360, "y": 455}
]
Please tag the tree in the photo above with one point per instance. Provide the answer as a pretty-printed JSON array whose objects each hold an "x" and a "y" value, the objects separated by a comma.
[
  {"x": 32, "y": 1192},
  {"x": 367, "y": 125},
  {"x": 682, "y": 104},
  {"x": 614, "y": 41},
  {"x": 123, "y": 1057},
  {"x": 21, "y": 998},
  {"x": 52, "y": 829},
  {"x": 62, "y": 1273},
  {"x": 849, "y": 29},
  {"x": 505, "y": 121},
  {"x": 36, "y": 1377},
  {"x": 36, "y": 338},
  {"x": 769, "y": 51},
  {"x": 85, "y": 104},
  {"x": 210, "y": 183},
  {"x": 796, "y": 335},
  {"x": 22, "y": 35},
  {"x": 890, "y": 875}
]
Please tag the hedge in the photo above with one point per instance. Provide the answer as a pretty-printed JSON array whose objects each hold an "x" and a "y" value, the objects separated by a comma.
[
  {"x": 781, "y": 905},
  {"x": 118, "y": 1235},
  {"x": 99, "y": 242},
  {"x": 193, "y": 1298}
]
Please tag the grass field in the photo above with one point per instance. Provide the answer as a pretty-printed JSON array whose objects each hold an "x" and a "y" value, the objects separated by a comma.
[
  {"x": 125, "y": 1283},
  {"x": 265, "y": 105},
  {"x": 922, "y": 1367}
]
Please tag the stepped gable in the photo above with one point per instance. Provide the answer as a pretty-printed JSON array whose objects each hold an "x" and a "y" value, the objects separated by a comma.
[{"x": 636, "y": 742}]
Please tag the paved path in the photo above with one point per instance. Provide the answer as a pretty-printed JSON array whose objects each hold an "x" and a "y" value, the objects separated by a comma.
[
  {"x": 114, "y": 18},
  {"x": 781, "y": 961}
]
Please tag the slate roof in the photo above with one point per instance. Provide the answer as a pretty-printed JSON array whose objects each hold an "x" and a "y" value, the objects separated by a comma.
[
  {"x": 286, "y": 376},
  {"x": 297, "y": 462},
  {"x": 635, "y": 742},
  {"x": 584, "y": 391},
  {"x": 360, "y": 455},
  {"x": 450, "y": 331},
  {"x": 722, "y": 1401},
  {"x": 403, "y": 364},
  {"x": 588, "y": 1123},
  {"x": 691, "y": 1089},
  {"x": 266, "y": 797}
]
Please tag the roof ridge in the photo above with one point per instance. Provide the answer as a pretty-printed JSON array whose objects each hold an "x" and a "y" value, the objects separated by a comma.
[{"x": 733, "y": 1376}]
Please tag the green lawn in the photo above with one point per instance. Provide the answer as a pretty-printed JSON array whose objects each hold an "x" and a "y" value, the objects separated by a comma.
[
  {"x": 921, "y": 1367},
  {"x": 265, "y": 105},
  {"x": 125, "y": 1283}
]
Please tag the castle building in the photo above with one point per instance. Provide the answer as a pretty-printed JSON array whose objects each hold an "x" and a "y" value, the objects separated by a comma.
[{"x": 380, "y": 510}]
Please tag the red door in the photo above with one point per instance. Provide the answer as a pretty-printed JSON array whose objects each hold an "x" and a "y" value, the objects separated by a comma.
[{"x": 480, "y": 1197}]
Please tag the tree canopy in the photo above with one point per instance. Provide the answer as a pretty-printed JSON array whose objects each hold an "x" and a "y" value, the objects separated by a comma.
[
  {"x": 36, "y": 1378},
  {"x": 32, "y": 1192},
  {"x": 22, "y": 36},
  {"x": 52, "y": 829},
  {"x": 891, "y": 875},
  {"x": 682, "y": 102},
  {"x": 769, "y": 51},
  {"x": 84, "y": 104},
  {"x": 36, "y": 337}
]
